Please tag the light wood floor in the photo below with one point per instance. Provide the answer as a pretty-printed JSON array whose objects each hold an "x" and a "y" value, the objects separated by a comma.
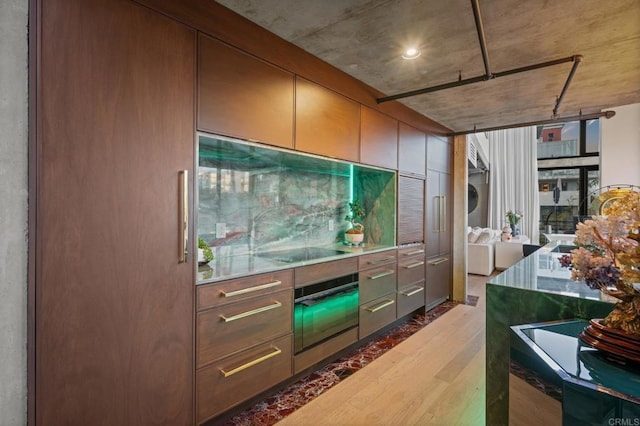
[{"x": 435, "y": 377}]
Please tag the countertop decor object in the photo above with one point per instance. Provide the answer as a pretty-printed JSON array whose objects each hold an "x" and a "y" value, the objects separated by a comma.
[
  {"x": 608, "y": 259},
  {"x": 205, "y": 255},
  {"x": 355, "y": 234}
]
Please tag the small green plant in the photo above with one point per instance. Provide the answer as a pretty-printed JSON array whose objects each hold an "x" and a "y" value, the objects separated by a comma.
[
  {"x": 208, "y": 254},
  {"x": 357, "y": 213}
]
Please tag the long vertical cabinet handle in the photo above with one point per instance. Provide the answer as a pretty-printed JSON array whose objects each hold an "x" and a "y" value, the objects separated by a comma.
[
  {"x": 183, "y": 214},
  {"x": 443, "y": 216},
  {"x": 436, "y": 218}
]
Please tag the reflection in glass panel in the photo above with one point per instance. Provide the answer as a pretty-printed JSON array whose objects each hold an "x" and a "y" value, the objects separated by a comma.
[
  {"x": 559, "y": 192},
  {"x": 252, "y": 198},
  {"x": 593, "y": 136},
  {"x": 559, "y": 140}
]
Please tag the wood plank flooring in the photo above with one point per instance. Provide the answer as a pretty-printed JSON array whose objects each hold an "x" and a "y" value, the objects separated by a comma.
[{"x": 435, "y": 377}]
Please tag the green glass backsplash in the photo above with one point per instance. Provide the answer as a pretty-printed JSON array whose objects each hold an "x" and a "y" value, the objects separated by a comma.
[{"x": 269, "y": 199}]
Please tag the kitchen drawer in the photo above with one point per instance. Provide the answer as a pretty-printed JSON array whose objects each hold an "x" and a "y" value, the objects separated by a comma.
[
  {"x": 220, "y": 293},
  {"x": 374, "y": 260},
  {"x": 410, "y": 251},
  {"x": 410, "y": 298},
  {"x": 234, "y": 327},
  {"x": 377, "y": 282},
  {"x": 376, "y": 314},
  {"x": 325, "y": 271},
  {"x": 237, "y": 378},
  {"x": 411, "y": 270}
]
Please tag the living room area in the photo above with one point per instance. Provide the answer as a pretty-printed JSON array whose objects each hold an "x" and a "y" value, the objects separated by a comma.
[{"x": 530, "y": 186}]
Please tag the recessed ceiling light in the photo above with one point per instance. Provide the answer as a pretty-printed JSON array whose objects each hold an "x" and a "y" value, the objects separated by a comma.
[{"x": 411, "y": 53}]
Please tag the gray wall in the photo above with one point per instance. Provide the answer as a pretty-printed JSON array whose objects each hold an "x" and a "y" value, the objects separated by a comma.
[{"x": 13, "y": 211}]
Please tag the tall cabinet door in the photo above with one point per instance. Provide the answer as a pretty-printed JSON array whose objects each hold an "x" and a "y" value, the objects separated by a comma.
[
  {"x": 113, "y": 307},
  {"x": 438, "y": 214},
  {"x": 410, "y": 210}
]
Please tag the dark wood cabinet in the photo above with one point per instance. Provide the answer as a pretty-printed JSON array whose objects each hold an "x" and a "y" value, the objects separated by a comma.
[
  {"x": 244, "y": 334},
  {"x": 378, "y": 139},
  {"x": 439, "y": 154},
  {"x": 242, "y": 96},
  {"x": 410, "y": 210},
  {"x": 113, "y": 308},
  {"x": 438, "y": 285},
  {"x": 326, "y": 123},
  {"x": 411, "y": 150},
  {"x": 411, "y": 279},
  {"x": 438, "y": 214}
]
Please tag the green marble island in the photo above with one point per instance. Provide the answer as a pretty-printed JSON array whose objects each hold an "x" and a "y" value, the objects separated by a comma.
[{"x": 536, "y": 289}]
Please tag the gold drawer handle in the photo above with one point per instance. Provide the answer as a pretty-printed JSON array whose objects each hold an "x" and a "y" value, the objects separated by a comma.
[
  {"x": 411, "y": 293},
  {"x": 411, "y": 253},
  {"x": 384, "y": 259},
  {"x": 250, "y": 289},
  {"x": 413, "y": 265},
  {"x": 252, "y": 312},
  {"x": 438, "y": 261},
  {"x": 383, "y": 305},
  {"x": 251, "y": 363},
  {"x": 381, "y": 274}
]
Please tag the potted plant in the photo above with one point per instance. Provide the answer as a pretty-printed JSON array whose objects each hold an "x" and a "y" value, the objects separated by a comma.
[
  {"x": 355, "y": 234},
  {"x": 205, "y": 255}
]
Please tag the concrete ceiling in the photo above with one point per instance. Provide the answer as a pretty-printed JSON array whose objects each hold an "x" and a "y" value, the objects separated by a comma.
[{"x": 366, "y": 38}]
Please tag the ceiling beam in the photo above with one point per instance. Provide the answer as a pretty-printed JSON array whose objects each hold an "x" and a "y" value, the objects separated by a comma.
[{"x": 605, "y": 114}]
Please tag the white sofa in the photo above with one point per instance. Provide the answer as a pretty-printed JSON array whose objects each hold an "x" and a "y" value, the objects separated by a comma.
[{"x": 481, "y": 252}]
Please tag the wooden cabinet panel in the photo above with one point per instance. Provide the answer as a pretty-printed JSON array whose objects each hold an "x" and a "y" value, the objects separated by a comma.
[
  {"x": 236, "y": 326},
  {"x": 211, "y": 295},
  {"x": 412, "y": 154},
  {"x": 377, "y": 282},
  {"x": 438, "y": 285},
  {"x": 376, "y": 314},
  {"x": 113, "y": 307},
  {"x": 241, "y": 96},
  {"x": 439, "y": 153},
  {"x": 445, "y": 235},
  {"x": 237, "y": 378},
  {"x": 326, "y": 122},
  {"x": 438, "y": 214},
  {"x": 311, "y": 274},
  {"x": 410, "y": 298},
  {"x": 374, "y": 260},
  {"x": 378, "y": 139},
  {"x": 411, "y": 270},
  {"x": 410, "y": 210}
]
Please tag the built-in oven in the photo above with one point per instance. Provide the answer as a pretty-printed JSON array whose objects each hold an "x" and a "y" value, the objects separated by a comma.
[{"x": 324, "y": 310}]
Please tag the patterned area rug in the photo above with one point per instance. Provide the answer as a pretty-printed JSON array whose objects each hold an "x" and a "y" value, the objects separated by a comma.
[{"x": 278, "y": 406}]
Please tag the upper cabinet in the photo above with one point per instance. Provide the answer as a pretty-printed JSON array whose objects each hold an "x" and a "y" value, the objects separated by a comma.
[
  {"x": 244, "y": 97},
  {"x": 378, "y": 139},
  {"x": 326, "y": 122},
  {"x": 411, "y": 150},
  {"x": 439, "y": 153}
]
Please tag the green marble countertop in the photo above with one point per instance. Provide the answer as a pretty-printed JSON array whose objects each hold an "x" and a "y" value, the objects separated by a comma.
[
  {"x": 573, "y": 360},
  {"x": 541, "y": 272},
  {"x": 227, "y": 264}
]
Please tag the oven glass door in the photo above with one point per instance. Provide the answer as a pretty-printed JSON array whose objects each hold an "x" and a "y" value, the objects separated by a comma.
[{"x": 322, "y": 315}]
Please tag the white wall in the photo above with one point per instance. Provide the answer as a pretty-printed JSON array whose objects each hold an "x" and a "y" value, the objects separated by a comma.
[
  {"x": 620, "y": 147},
  {"x": 13, "y": 211}
]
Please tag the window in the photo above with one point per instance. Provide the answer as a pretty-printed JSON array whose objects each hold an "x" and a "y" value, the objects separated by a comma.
[
  {"x": 567, "y": 173},
  {"x": 571, "y": 139}
]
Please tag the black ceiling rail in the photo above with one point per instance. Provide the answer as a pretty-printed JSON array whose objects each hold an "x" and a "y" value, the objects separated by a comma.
[
  {"x": 481, "y": 39},
  {"x": 605, "y": 114},
  {"x": 487, "y": 69},
  {"x": 576, "y": 62},
  {"x": 477, "y": 79}
]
